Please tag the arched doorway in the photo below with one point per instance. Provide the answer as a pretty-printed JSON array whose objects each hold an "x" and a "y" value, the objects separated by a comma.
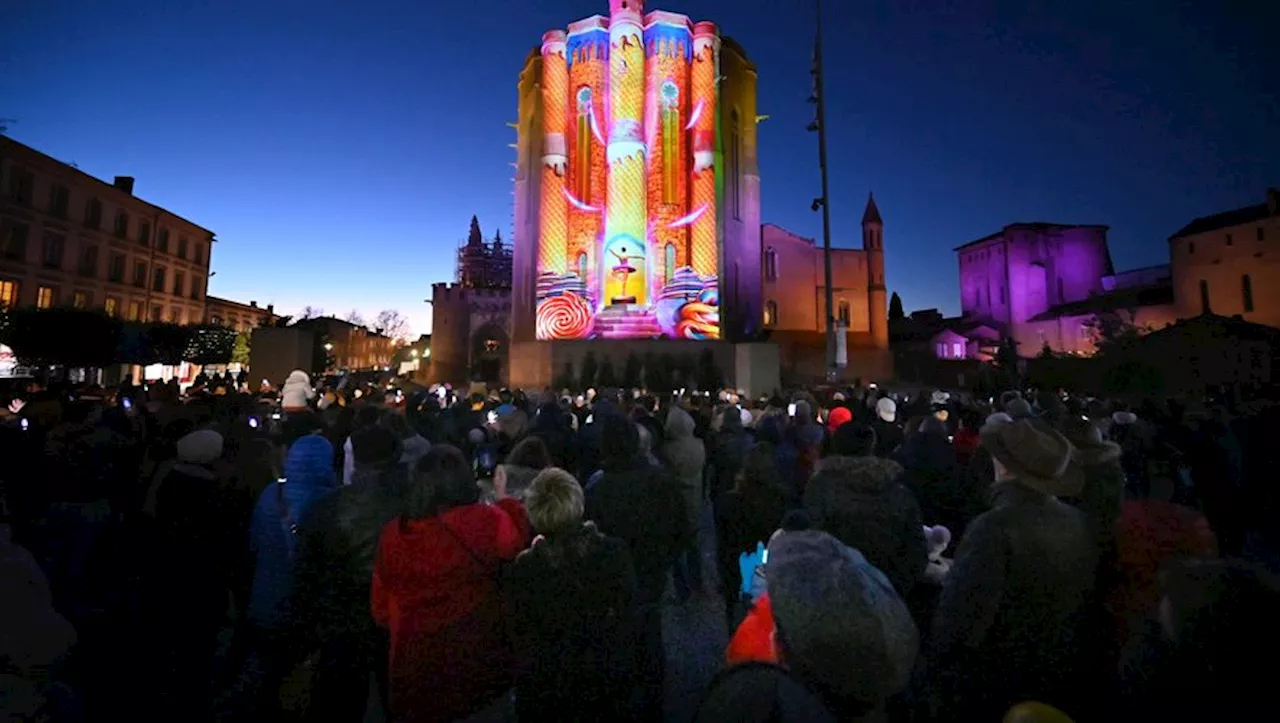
[{"x": 488, "y": 351}]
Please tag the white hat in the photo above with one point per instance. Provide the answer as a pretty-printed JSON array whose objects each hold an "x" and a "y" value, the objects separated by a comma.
[{"x": 887, "y": 409}]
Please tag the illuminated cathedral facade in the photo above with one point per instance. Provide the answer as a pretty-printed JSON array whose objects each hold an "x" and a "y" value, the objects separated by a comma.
[{"x": 637, "y": 191}]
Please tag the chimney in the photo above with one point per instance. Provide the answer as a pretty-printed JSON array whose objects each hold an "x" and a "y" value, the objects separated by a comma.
[
  {"x": 124, "y": 183},
  {"x": 1273, "y": 201},
  {"x": 271, "y": 308},
  {"x": 254, "y": 304}
]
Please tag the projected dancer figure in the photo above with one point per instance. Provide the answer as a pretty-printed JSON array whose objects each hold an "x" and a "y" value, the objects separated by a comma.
[{"x": 622, "y": 272}]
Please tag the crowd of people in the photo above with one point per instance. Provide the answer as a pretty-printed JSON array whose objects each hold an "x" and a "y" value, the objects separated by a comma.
[{"x": 343, "y": 547}]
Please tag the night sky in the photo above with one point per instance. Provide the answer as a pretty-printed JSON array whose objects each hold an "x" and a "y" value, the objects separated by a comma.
[{"x": 339, "y": 149}]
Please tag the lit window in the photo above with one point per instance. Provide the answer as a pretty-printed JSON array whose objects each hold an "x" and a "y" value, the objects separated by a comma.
[
  {"x": 941, "y": 350},
  {"x": 157, "y": 313},
  {"x": 671, "y": 133},
  {"x": 957, "y": 350},
  {"x": 44, "y": 297},
  {"x": 582, "y": 160},
  {"x": 135, "y": 311},
  {"x": 110, "y": 306},
  {"x": 8, "y": 294},
  {"x": 79, "y": 300},
  {"x": 770, "y": 313}
]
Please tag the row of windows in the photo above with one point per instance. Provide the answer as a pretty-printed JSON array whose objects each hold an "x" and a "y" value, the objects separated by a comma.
[
  {"x": 1259, "y": 234},
  {"x": 13, "y": 246},
  {"x": 22, "y": 189},
  {"x": 48, "y": 297},
  {"x": 771, "y": 312},
  {"x": 1246, "y": 295}
]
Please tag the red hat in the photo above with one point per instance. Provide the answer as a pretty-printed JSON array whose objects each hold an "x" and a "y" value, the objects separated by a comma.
[{"x": 838, "y": 416}]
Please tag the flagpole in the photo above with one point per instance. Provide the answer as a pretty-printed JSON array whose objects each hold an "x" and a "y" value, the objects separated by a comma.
[{"x": 819, "y": 97}]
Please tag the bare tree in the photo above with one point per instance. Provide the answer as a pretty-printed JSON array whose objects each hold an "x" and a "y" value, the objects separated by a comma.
[
  {"x": 310, "y": 312},
  {"x": 355, "y": 317},
  {"x": 393, "y": 324}
]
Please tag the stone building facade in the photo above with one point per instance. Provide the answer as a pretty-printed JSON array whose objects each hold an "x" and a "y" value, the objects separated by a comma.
[
  {"x": 69, "y": 239},
  {"x": 470, "y": 334},
  {"x": 1042, "y": 285},
  {"x": 236, "y": 315},
  {"x": 1229, "y": 263}
]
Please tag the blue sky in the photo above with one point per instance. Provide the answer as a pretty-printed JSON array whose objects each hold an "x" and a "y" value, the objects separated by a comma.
[{"x": 339, "y": 149}]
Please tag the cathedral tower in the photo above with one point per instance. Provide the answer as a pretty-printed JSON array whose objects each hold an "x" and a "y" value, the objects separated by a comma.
[{"x": 873, "y": 245}]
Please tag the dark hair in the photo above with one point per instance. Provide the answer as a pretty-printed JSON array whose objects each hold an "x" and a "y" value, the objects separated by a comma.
[
  {"x": 444, "y": 480},
  {"x": 396, "y": 422},
  {"x": 530, "y": 452},
  {"x": 854, "y": 440},
  {"x": 931, "y": 425},
  {"x": 620, "y": 441},
  {"x": 760, "y": 473},
  {"x": 366, "y": 415}
]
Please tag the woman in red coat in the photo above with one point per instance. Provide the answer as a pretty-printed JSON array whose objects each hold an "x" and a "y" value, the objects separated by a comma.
[{"x": 436, "y": 589}]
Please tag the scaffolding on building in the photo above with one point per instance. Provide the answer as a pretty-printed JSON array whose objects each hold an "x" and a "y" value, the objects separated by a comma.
[{"x": 484, "y": 265}]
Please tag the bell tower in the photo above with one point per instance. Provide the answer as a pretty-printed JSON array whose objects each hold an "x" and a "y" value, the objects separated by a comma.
[{"x": 873, "y": 246}]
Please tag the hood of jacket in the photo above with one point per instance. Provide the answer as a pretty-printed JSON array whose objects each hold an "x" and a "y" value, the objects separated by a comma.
[
  {"x": 297, "y": 376},
  {"x": 308, "y": 473},
  {"x": 679, "y": 424}
]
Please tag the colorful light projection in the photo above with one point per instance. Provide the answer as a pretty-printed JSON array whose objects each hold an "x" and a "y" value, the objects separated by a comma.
[{"x": 627, "y": 212}]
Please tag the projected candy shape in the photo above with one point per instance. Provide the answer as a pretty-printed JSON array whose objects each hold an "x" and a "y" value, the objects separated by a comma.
[
  {"x": 566, "y": 316},
  {"x": 698, "y": 321}
]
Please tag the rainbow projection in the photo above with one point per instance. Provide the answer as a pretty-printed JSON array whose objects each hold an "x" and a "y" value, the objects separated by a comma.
[{"x": 627, "y": 211}]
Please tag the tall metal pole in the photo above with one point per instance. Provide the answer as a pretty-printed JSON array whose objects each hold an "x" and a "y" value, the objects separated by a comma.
[{"x": 820, "y": 92}]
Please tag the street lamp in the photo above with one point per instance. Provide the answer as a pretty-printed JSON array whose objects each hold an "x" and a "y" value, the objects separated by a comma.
[
  {"x": 414, "y": 352},
  {"x": 328, "y": 346}
]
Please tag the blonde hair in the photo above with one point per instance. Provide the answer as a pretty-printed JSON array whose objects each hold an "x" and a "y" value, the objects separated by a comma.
[{"x": 554, "y": 501}]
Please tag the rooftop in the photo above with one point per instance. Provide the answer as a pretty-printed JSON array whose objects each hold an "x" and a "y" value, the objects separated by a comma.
[
  {"x": 1122, "y": 298},
  {"x": 1229, "y": 219},
  {"x": 1030, "y": 225},
  {"x": 6, "y": 140}
]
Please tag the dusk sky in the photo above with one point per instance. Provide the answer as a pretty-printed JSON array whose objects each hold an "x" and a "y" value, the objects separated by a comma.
[{"x": 339, "y": 149}]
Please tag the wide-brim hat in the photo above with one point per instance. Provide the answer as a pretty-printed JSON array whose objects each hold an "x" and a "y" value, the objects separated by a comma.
[{"x": 1036, "y": 454}]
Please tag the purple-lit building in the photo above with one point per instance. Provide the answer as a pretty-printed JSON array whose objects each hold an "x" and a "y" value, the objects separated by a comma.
[{"x": 1042, "y": 284}]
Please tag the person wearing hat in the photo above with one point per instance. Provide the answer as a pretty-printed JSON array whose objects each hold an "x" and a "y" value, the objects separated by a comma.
[
  {"x": 1097, "y": 462},
  {"x": 839, "y": 626},
  {"x": 1012, "y": 622},
  {"x": 889, "y": 434}
]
